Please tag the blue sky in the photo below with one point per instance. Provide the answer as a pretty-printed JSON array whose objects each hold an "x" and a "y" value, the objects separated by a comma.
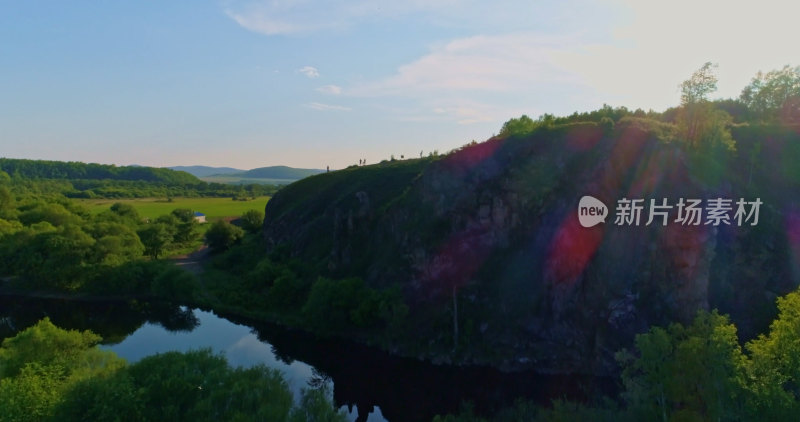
[{"x": 316, "y": 83}]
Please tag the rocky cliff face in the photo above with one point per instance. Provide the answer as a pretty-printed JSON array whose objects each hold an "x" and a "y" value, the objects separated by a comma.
[{"x": 492, "y": 229}]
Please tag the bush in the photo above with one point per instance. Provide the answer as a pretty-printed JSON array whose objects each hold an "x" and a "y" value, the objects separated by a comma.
[
  {"x": 200, "y": 386},
  {"x": 174, "y": 284},
  {"x": 131, "y": 277},
  {"x": 253, "y": 220},
  {"x": 222, "y": 235},
  {"x": 335, "y": 305},
  {"x": 288, "y": 292}
]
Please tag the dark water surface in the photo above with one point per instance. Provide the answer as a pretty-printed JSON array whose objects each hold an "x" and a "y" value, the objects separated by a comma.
[{"x": 370, "y": 384}]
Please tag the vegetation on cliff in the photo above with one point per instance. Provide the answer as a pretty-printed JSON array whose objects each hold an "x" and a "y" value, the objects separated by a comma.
[{"x": 484, "y": 246}]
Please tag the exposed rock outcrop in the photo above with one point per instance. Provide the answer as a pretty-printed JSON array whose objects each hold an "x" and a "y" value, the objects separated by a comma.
[{"x": 497, "y": 221}]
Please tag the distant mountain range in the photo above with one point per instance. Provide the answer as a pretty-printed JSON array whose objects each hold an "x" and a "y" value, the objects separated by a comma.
[
  {"x": 272, "y": 172},
  {"x": 279, "y": 172},
  {"x": 203, "y": 171}
]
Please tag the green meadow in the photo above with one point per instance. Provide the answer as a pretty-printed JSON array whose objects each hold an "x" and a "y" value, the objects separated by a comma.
[
  {"x": 213, "y": 208},
  {"x": 236, "y": 180}
]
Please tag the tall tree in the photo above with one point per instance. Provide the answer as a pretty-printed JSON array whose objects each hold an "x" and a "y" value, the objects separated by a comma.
[
  {"x": 155, "y": 237},
  {"x": 703, "y": 82},
  {"x": 701, "y": 124},
  {"x": 186, "y": 227},
  {"x": 775, "y": 367},
  {"x": 775, "y": 95},
  {"x": 518, "y": 126},
  {"x": 686, "y": 373}
]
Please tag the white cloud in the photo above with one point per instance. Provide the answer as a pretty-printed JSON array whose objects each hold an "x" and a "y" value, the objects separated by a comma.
[
  {"x": 330, "y": 89},
  {"x": 257, "y": 21},
  {"x": 639, "y": 63},
  {"x": 327, "y": 107},
  {"x": 483, "y": 79},
  {"x": 500, "y": 63},
  {"x": 635, "y": 58},
  {"x": 309, "y": 71}
]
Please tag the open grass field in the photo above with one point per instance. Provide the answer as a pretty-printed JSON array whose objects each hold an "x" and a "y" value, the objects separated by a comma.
[
  {"x": 236, "y": 180},
  {"x": 213, "y": 208}
]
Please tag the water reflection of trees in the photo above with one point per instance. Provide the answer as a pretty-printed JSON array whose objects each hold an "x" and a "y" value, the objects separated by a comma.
[
  {"x": 113, "y": 320},
  {"x": 174, "y": 318},
  {"x": 319, "y": 380},
  {"x": 407, "y": 389},
  {"x": 359, "y": 376},
  {"x": 281, "y": 354}
]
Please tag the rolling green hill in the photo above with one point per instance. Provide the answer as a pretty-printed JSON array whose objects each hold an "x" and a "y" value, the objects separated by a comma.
[
  {"x": 43, "y": 169},
  {"x": 82, "y": 180}
]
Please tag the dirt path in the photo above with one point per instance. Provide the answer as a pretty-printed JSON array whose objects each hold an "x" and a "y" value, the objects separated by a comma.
[{"x": 192, "y": 262}]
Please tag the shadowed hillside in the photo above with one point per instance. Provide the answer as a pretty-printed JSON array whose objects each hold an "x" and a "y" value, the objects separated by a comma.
[{"x": 489, "y": 235}]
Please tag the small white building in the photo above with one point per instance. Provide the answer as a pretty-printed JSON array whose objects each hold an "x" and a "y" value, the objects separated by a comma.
[{"x": 199, "y": 217}]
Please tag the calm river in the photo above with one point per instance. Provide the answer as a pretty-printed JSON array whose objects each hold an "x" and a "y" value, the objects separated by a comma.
[{"x": 370, "y": 385}]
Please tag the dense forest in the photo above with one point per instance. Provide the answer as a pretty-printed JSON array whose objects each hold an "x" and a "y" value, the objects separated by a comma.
[
  {"x": 41, "y": 169},
  {"x": 53, "y": 243}
]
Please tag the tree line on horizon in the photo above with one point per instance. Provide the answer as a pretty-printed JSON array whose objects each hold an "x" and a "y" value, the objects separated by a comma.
[
  {"x": 82, "y": 180},
  {"x": 770, "y": 98}
]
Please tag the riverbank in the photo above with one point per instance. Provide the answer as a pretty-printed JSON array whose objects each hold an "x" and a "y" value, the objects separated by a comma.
[
  {"x": 10, "y": 291},
  {"x": 222, "y": 292},
  {"x": 362, "y": 377},
  {"x": 204, "y": 300}
]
